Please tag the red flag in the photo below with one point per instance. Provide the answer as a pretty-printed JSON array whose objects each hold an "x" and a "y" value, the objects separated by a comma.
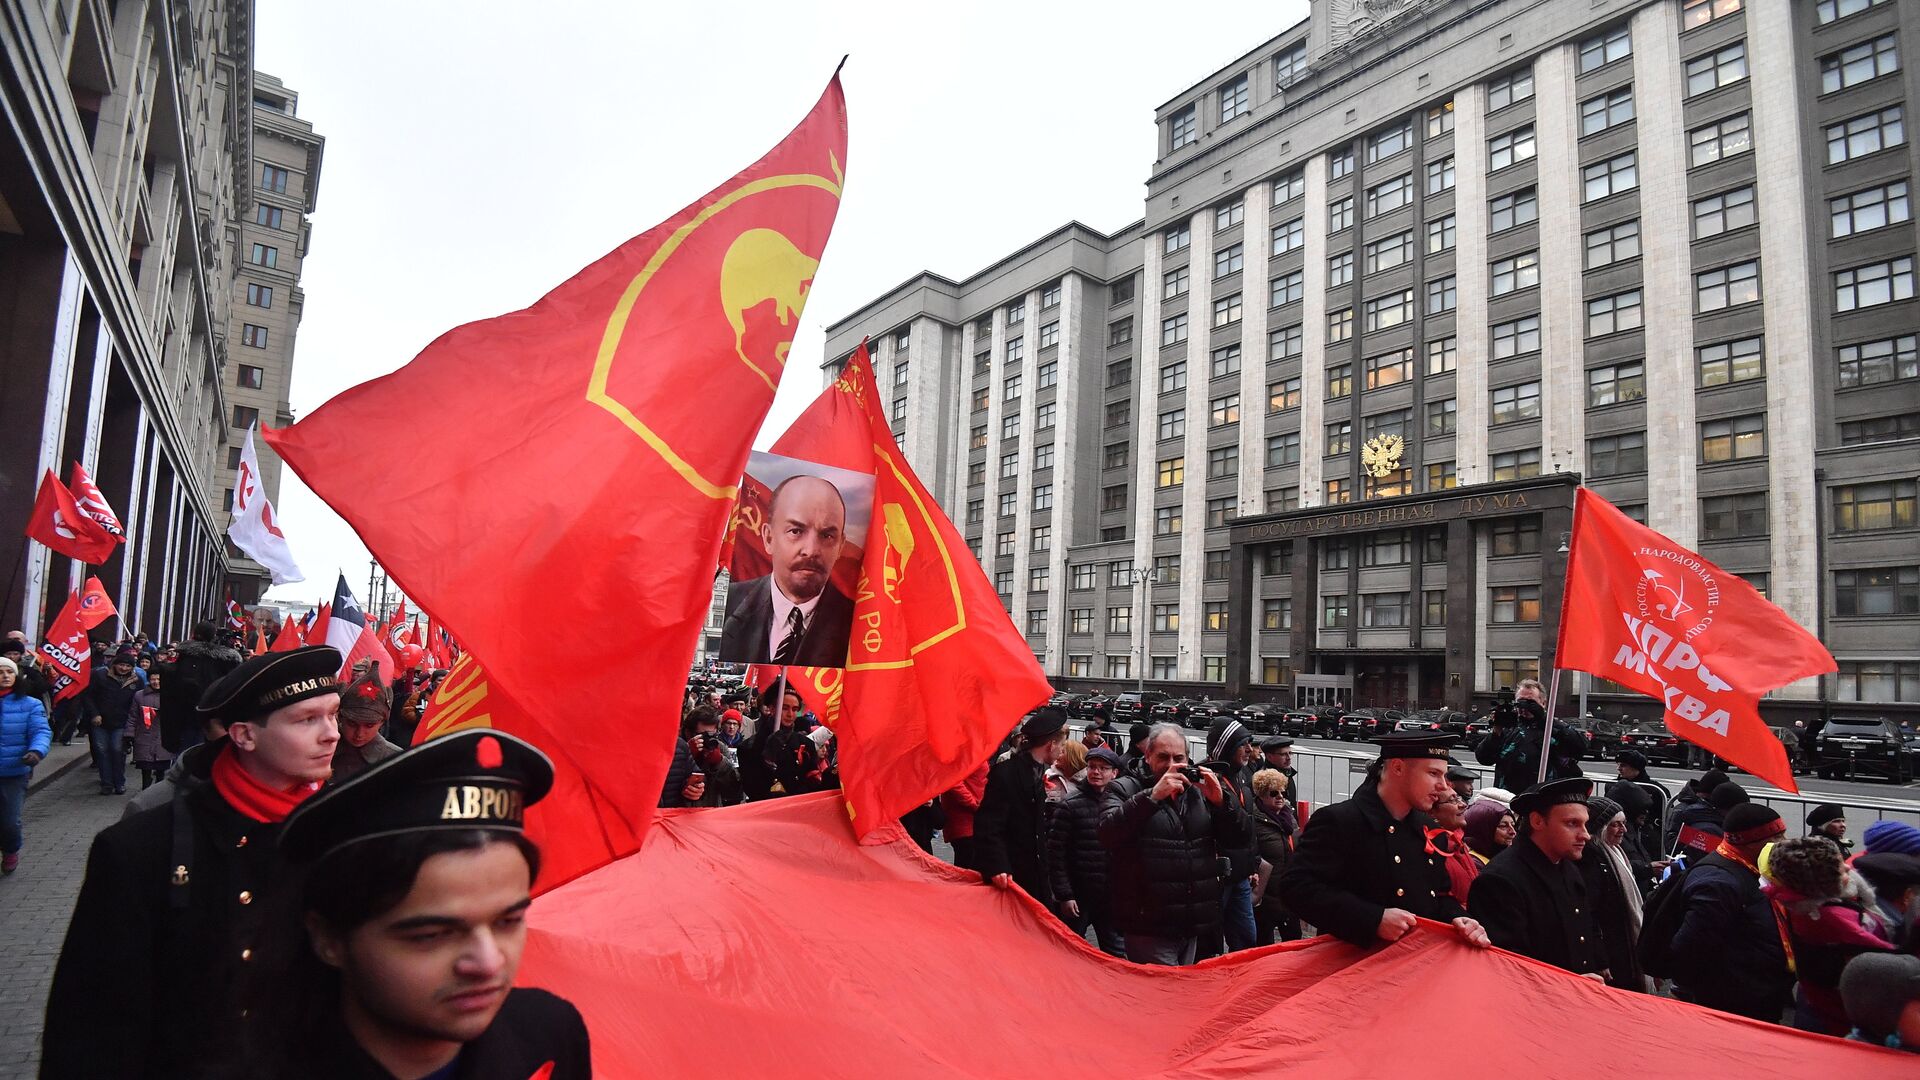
[
  {"x": 60, "y": 524},
  {"x": 96, "y": 606},
  {"x": 1699, "y": 840},
  {"x": 395, "y": 623},
  {"x": 288, "y": 639},
  {"x": 936, "y": 672},
  {"x": 352, "y": 632},
  {"x": 580, "y": 527},
  {"x": 67, "y": 653},
  {"x": 94, "y": 504},
  {"x": 1657, "y": 618}
]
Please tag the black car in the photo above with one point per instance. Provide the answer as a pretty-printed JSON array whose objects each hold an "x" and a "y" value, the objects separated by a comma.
[
  {"x": 1424, "y": 720},
  {"x": 1862, "y": 745},
  {"x": 1094, "y": 706},
  {"x": 1262, "y": 717},
  {"x": 1308, "y": 722},
  {"x": 1176, "y": 711},
  {"x": 1206, "y": 712},
  {"x": 1658, "y": 744},
  {"x": 1133, "y": 706},
  {"x": 1603, "y": 736},
  {"x": 1363, "y": 724}
]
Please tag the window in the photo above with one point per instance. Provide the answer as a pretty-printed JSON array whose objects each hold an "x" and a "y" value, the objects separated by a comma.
[
  {"x": 1120, "y": 619},
  {"x": 1441, "y": 416},
  {"x": 1003, "y": 544},
  {"x": 1223, "y": 462},
  {"x": 1516, "y": 604},
  {"x": 1339, "y": 438},
  {"x": 899, "y": 412},
  {"x": 1740, "y": 438},
  {"x": 1183, "y": 128},
  {"x": 1873, "y": 284},
  {"x": 1340, "y": 214},
  {"x": 1514, "y": 536},
  {"x": 1229, "y": 261},
  {"x": 1516, "y": 464},
  {"x": 1720, "y": 213},
  {"x": 1215, "y": 612},
  {"x": 1384, "y": 609},
  {"x": 1289, "y": 235},
  {"x": 1441, "y": 477},
  {"x": 1729, "y": 362},
  {"x": 1166, "y": 520},
  {"x": 1165, "y": 667},
  {"x": 262, "y": 255},
  {"x": 1879, "y": 429},
  {"x": 1113, "y": 498},
  {"x": 1339, "y": 381},
  {"x": 976, "y": 512},
  {"x": 1383, "y": 145},
  {"x": 1518, "y": 208},
  {"x": 1280, "y": 500},
  {"x": 1597, "y": 114},
  {"x": 1522, "y": 271},
  {"x": 1340, "y": 325},
  {"x": 1079, "y": 667},
  {"x": 1175, "y": 283},
  {"x": 1507, "y": 672},
  {"x": 1037, "y": 581},
  {"x": 1119, "y": 414},
  {"x": 1218, "y": 563},
  {"x": 252, "y": 378},
  {"x": 1888, "y": 590},
  {"x": 260, "y": 296},
  {"x": 1442, "y": 355},
  {"x": 1172, "y": 472},
  {"x": 1869, "y": 208},
  {"x": 1827, "y": 11},
  {"x": 900, "y": 373},
  {"x": 1333, "y": 611},
  {"x": 1116, "y": 456},
  {"x": 1283, "y": 449},
  {"x": 1433, "y": 607},
  {"x": 245, "y": 417},
  {"x": 1866, "y": 134},
  {"x": 1285, "y": 289},
  {"x": 1340, "y": 270},
  {"x": 1877, "y": 680},
  {"x": 1884, "y": 360},
  {"x": 1440, "y": 174},
  {"x": 1049, "y": 372},
  {"x": 1613, "y": 244},
  {"x": 983, "y": 363},
  {"x": 1010, "y": 389},
  {"x": 1017, "y": 311},
  {"x": 1611, "y": 314},
  {"x": 1233, "y": 99},
  {"x": 1611, "y": 177},
  {"x": 1391, "y": 310},
  {"x": 1276, "y": 613},
  {"x": 1050, "y": 296},
  {"x": 1173, "y": 377},
  {"x": 1701, "y": 12},
  {"x": 1727, "y": 286},
  {"x": 1615, "y": 383},
  {"x": 1122, "y": 292},
  {"x": 1009, "y": 504},
  {"x": 1226, "y": 217},
  {"x": 1871, "y": 507},
  {"x": 1390, "y": 195},
  {"x": 1016, "y": 349},
  {"x": 1083, "y": 579},
  {"x": 1517, "y": 402},
  {"x": 1442, "y": 233},
  {"x": 1388, "y": 369},
  {"x": 1119, "y": 667},
  {"x": 1442, "y": 295},
  {"x": 1043, "y": 415},
  {"x": 1010, "y": 426},
  {"x": 1177, "y": 239},
  {"x": 1289, "y": 65},
  {"x": 273, "y": 178},
  {"x": 1721, "y": 139},
  {"x": 1734, "y": 517},
  {"x": 1514, "y": 338},
  {"x": 1509, "y": 88},
  {"x": 1226, "y": 310},
  {"x": 1224, "y": 410},
  {"x": 1602, "y": 49},
  {"x": 1043, "y": 457},
  {"x": 1505, "y": 149},
  {"x": 1340, "y": 164},
  {"x": 270, "y": 216},
  {"x": 1440, "y": 119},
  {"x": 976, "y": 473},
  {"x": 1166, "y": 569},
  {"x": 1120, "y": 333},
  {"x": 255, "y": 336},
  {"x": 1283, "y": 395},
  {"x": 1390, "y": 252},
  {"x": 1617, "y": 455},
  {"x": 1716, "y": 69},
  {"x": 1856, "y": 64},
  {"x": 1050, "y": 335},
  {"x": 1338, "y": 491}
]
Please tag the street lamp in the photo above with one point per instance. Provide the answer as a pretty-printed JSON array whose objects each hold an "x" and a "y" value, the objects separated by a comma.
[{"x": 1141, "y": 576}]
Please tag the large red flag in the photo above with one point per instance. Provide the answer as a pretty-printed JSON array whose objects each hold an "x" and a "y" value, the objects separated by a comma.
[
  {"x": 96, "y": 606},
  {"x": 66, "y": 652},
  {"x": 93, "y": 503},
  {"x": 575, "y": 531},
  {"x": 60, "y": 523},
  {"x": 936, "y": 673},
  {"x": 1650, "y": 615}
]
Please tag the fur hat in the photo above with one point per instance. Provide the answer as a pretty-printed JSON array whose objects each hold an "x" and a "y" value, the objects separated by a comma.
[
  {"x": 1809, "y": 865},
  {"x": 366, "y": 700}
]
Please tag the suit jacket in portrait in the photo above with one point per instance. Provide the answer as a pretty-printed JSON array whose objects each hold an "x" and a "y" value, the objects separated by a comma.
[{"x": 743, "y": 639}]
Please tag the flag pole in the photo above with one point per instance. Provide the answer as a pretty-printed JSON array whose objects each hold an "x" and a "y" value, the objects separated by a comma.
[{"x": 1559, "y": 636}]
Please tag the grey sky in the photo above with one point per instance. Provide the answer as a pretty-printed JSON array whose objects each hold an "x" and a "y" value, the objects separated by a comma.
[{"x": 479, "y": 153}]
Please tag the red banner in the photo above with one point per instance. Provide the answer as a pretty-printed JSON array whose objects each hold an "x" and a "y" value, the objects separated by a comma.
[
  {"x": 60, "y": 524},
  {"x": 96, "y": 606},
  {"x": 66, "y": 652},
  {"x": 1654, "y": 617},
  {"x": 87, "y": 495}
]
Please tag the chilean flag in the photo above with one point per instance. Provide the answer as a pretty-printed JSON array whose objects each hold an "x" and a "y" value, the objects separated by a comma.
[{"x": 347, "y": 631}]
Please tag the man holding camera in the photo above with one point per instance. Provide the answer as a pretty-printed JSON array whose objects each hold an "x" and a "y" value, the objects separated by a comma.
[
  {"x": 1512, "y": 745},
  {"x": 1169, "y": 840}
]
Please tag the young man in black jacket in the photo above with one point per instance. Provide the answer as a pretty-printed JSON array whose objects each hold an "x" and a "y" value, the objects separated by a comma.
[{"x": 1009, "y": 832}]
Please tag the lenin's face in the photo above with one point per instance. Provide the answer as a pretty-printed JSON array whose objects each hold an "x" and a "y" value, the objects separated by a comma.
[{"x": 805, "y": 527}]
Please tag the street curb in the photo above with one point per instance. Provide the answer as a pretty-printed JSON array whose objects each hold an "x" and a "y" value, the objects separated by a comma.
[{"x": 40, "y": 781}]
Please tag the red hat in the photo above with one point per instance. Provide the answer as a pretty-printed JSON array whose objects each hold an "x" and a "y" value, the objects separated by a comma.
[{"x": 733, "y": 714}]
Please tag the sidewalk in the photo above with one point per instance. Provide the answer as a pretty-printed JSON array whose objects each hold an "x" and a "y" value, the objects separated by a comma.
[{"x": 64, "y": 810}]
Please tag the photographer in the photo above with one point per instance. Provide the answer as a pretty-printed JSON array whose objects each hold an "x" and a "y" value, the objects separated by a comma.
[
  {"x": 1512, "y": 745},
  {"x": 1168, "y": 839},
  {"x": 701, "y": 774}
]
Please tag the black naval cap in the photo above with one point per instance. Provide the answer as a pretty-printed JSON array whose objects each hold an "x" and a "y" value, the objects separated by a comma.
[
  {"x": 1541, "y": 798},
  {"x": 1277, "y": 742},
  {"x": 1415, "y": 744},
  {"x": 473, "y": 779},
  {"x": 1043, "y": 724},
  {"x": 262, "y": 684},
  {"x": 1461, "y": 772}
]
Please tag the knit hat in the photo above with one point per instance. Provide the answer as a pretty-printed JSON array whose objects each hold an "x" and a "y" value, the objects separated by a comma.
[
  {"x": 123, "y": 656},
  {"x": 1633, "y": 799},
  {"x": 1225, "y": 738},
  {"x": 1809, "y": 865},
  {"x": 732, "y": 714},
  {"x": 1709, "y": 780},
  {"x": 1601, "y": 810},
  {"x": 1632, "y": 757},
  {"x": 366, "y": 700},
  {"x": 1824, "y": 813},
  {"x": 1877, "y": 988},
  {"x": 1751, "y": 822},
  {"x": 1894, "y": 836},
  {"x": 1727, "y": 796}
]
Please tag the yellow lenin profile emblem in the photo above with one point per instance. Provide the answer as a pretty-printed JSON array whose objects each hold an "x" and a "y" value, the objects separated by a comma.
[{"x": 763, "y": 265}]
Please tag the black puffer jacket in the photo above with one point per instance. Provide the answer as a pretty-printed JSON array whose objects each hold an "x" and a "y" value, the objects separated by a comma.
[
  {"x": 1166, "y": 876},
  {"x": 1076, "y": 863},
  {"x": 198, "y": 665}
]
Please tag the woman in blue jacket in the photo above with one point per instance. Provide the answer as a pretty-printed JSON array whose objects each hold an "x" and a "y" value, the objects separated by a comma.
[{"x": 24, "y": 740}]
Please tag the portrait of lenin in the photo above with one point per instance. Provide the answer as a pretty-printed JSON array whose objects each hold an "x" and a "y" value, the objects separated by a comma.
[{"x": 794, "y": 615}]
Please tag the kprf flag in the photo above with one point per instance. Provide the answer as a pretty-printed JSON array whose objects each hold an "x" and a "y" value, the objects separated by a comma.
[
  {"x": 60, "y": 524},
  {"x": 1652, "y": 616},
  {"x": 255, "y": 530},
  {"x": 395, "y": 630},
  {"x": 936, "y": 672},
  {"x": 66, "y": 652},
  {"x": 94, "y": 504},
  {"x": 96, "y": 606},
  {"x": 347, "y": 631}
]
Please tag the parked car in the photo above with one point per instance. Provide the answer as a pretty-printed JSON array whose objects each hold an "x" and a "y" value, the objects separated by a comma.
[
  {"x": 1364, "y": 724},
  {"x": 1094, "y": 706},
  {"x": 1133, "y": 706},
  {"x": 1262, "y": 717},
  {"x": 1603, "y": 736},
  {"x": 1658, "y": 744},
  {"x": 1856, "y": 745},
  {"x": 1175, "y": 711},
  {"x": 1309, "y": 723},
  {"x": 1420, "y": 721},
  {"x": 1206, "y": 712}
]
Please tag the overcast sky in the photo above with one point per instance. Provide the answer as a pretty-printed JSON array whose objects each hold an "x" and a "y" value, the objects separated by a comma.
[{"x": 480, "y": 153}]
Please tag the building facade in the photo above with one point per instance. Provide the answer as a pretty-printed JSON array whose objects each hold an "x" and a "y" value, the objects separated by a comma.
[
  {"x": 127, "y": 172},
  {"x": 1503, "y": 246}
]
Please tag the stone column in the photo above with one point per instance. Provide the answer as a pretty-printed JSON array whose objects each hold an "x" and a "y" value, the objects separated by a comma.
[
  {"x": 1193, "y": 493},
  {"x": 1313, "y": 342},
  {"x": 1470, "y": 260},
  {"x": 1563, "y": 381},
  {"x": 34, "y": 612}
]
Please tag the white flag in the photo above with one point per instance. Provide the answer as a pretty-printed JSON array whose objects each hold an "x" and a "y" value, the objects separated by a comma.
[{"x": 254, "y": 530}]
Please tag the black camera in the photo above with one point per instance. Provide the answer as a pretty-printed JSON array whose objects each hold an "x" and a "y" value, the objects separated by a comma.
[
  {"x": 1505, "y": 714},
  {"x": 1191, "y": 772}
]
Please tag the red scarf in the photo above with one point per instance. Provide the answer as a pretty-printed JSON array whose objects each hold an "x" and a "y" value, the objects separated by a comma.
[
  {"x": 1726, "y": 850},
  {"x": 251, "y": 797}
]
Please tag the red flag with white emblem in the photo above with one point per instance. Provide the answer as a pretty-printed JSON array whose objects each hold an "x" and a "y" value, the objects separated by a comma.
[{"x": 59, "y": 523}]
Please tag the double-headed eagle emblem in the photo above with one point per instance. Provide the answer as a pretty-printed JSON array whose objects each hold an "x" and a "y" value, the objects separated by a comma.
[{"x": 1381, "y": 455}]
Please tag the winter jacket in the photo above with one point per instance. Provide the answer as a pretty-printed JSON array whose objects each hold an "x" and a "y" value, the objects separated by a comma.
[
  {"x": 349, "y": 759},
  {"x": 1010, "y": 831},
  {"x": 184, "y": 775},
  {"x": 106, "y": 698},
  {"x": 1695, "y": 812},
  {"x": 1514, "y": 752},
  {"x": 1727, "y": 950},
  {"x": 1619, "y": 936},
  {"x": 1826, "y": 933},
  {"x": 143, "y": 727},
  {"x": 1273, "y": 839},
  {"x": 23, "y": 729},
  {"x": 1077, "y": 865},
  {"x": 197, "y": 665},
  {"x": 962, "y": 802},
  {"x": 1167, "y": 877}
]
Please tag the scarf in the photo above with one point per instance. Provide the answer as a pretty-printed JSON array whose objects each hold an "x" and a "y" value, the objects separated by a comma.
[
  {"x": 249, "y": 796},
  {"x": 1727, "y": 851},
  {"x": 1623, "y": 872}
]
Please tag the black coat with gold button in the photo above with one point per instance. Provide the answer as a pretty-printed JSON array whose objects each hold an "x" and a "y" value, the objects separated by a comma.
[
  {"x": 1355, "y": 860},
  {"x": 144, "y": 987},
  {"x": 1535, "y": 907}
]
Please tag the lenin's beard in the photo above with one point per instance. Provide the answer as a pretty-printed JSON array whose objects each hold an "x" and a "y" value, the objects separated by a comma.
[{"x": 806, "y": 578}]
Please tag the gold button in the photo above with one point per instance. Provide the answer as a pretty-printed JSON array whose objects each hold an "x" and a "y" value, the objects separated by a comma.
[
  {"x": 1399, "y": 892},
  {"x": 1389, "y": 828},
  {"x": 246, "y": 897},
  {"x": 246, "y": 954},
  {"x": 1396, "y": 858}
]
